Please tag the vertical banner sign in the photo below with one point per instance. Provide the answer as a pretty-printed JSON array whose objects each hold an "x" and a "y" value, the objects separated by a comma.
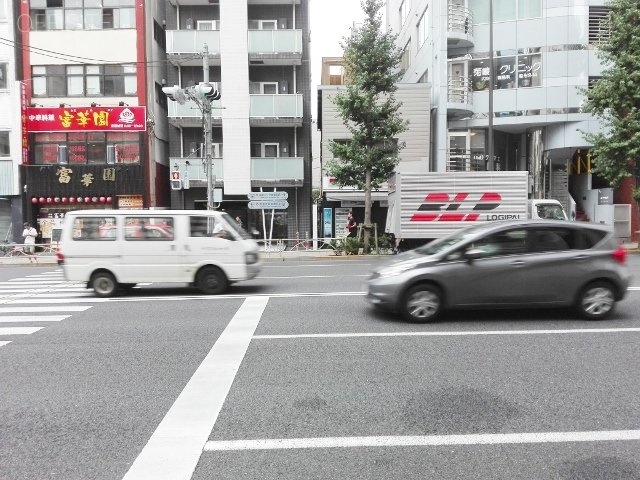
[
  {"x": 23, "y": 120},
  {"x": 327, "y": 214}
]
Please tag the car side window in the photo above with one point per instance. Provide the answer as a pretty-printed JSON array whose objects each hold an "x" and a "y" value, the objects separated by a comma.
[
  {"x": 552, "y": 239},
  {"x": 506, "y": 242}
]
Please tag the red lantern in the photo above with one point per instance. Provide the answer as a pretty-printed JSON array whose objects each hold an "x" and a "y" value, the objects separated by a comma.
[
  {"x": 56, "y": 199},
  {"x": 109, "y": 199},
  {"x": 103, "y": 199},
  {"x": 79, "y": 199},
  {"x": 87, "y": 199},
  {"x": 49, "y": 200},
  {"x": 42, "y": 200},
  {"x": 34, "y": 199},
  {"x": 94, "y": 199},
  {"x": 65, "y": 199},
  {"x": 72, "y": 199}
]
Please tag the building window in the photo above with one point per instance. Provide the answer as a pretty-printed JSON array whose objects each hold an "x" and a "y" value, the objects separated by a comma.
[
  {"x": 82, "y": 15},
  {"x": 599, "y": 29},
  {"x": 403, "y": 11},
  {"x": 3, "y": 10},
  {"x": 529, "y": 9},
  {"x": 84, "y": 80},
  {"x": 159, "y": 35},
  {"x": 81, "y": 148},
  {"x": 505, "y": 10},
  {"x": 5, "y": 144},
  {"x": 422, "y": 29},
  {"x": 509, "y": 71},
  {"x": 3, "y": 74},
  {"x": 405, "y": 58}
]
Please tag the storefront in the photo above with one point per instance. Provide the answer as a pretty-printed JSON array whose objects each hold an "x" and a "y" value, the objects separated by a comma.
[{"x": 82, "y": 158}]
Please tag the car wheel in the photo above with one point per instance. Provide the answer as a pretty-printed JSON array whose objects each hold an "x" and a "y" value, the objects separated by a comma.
[
  {"x": 104, "y": 284},
  {"x": 422, "y": 303},
  {"x": 596, "y": 301},
  {"x": 211, "y": 281}
]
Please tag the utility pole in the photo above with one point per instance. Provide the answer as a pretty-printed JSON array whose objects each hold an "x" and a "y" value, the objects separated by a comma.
[
  {"x": 491, "y": 164},
  {"x": 202, "y": 95}
]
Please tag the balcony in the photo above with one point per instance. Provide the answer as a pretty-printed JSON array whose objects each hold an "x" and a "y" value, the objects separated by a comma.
[
  {"x": 459, "y": 96},
  {"x": 189, "y": 115},
  {"x": 265, "y": 171},
  {"x": 275, "y": 47},
  {"x": 459, "y": 26},
  {"x": 185, "y": 46},
  {"x": 276, "y": 110}
]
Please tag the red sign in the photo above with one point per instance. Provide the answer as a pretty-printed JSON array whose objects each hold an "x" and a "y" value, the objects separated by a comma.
[
  {"x": 175, "y": 175},
  {"x": 86, "y": 119}
]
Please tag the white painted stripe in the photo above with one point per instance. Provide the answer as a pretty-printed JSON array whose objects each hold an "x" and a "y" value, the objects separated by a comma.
[
  {"x": 236, "y": 296},
  {"x": 67, "y": 294},
  {"x": 30, "y": 318},
  {"x": 424, "y": 441},
  {"x": 27, "y": 291},
  {"x": 36, "y": 299},
  {"x": 174, "y": 449},
  {"x": 70, "y": 308},
  {"x": 2, "y": 344},
  {"x": 21, "y": 281},
  {"x": 449, "y": 334},
  {"x": 18, "y": 330},
  {"x": 311, "y": 276}
]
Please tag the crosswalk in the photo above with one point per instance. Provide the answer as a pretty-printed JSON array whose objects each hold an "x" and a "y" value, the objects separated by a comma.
[{"x": 39, "y": 300}]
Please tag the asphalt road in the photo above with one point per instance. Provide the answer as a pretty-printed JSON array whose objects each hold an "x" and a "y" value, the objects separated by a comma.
[{"x": 293, "y": 376}]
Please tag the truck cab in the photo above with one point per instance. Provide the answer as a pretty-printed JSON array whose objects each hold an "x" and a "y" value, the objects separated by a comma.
[{"x": 546, "y": 209}]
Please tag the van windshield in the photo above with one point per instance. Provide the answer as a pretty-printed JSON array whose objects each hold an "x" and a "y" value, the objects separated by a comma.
[
  {"x": 550, "y": 211},
  {"x": 235, "y": 227}
]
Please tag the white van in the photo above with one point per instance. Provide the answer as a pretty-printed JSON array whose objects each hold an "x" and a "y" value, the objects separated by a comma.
[
  {"x": 546, "y": 209},
  {"x": 116, "y": 249}
]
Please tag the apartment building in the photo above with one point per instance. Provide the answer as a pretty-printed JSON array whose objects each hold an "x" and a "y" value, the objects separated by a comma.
[
  {"x": 258, "y": 56},
  {"x": 10, "y": 151},
  {"x": 506, "y": 93},
  {"x": 338, "y": 201},
  {"x": 92, "y": 116}
]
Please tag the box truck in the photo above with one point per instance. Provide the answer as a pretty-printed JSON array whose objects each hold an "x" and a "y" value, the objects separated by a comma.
[{"x": 426, "y": 206}]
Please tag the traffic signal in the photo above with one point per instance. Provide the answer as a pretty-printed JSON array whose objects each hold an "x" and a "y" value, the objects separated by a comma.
[
  {"x": 175, "y": 93},
  {"x": 209, "y": 91}
]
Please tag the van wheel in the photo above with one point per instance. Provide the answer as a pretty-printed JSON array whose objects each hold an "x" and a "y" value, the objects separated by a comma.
[
  {"x": 422, "y": 303},
  {"x": 211, "y": 281},
  {"x": 596, "y": 301},
  {"x": 104, "y": 284}
]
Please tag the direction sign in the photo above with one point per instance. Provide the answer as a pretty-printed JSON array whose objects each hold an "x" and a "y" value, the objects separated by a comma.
[
  {"x": 267, "y": 196},
  {"x": 268, "y": 205}
]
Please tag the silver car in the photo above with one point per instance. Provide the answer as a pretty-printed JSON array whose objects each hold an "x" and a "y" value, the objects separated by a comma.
[{"x": 534, "y": 263}]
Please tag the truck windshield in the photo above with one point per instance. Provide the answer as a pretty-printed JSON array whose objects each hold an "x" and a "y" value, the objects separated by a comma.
[{"x": 550, "y": 211}]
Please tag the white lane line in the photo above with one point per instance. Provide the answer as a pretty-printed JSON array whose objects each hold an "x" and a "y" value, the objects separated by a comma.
[
  {"x": 31, "y": 300},
  {"x": 174, "y": 449},
  {"x": 2, "y": 344},
  {"x": 19, "y": 330},
  {"x": 21, "y": 281},
  {"x": 424, "y": 441},
  {"x": 311, "y": 276},
  {"x": 449, "y": 334},
  {"x": 66, "y": 293},
  {"x": 236, "y": 296},
  {"x": 42, "y": 309},
  {"x": 38, "y": 290},
  {"x": 29, "y": 318}
]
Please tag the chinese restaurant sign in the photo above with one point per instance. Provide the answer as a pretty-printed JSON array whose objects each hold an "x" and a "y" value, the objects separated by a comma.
[{"x": 89, "y": 119}]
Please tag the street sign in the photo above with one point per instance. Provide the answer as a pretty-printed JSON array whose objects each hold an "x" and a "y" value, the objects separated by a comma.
[
  {"x": 268, "y": 205},
  {"x": 268, "y": 196},
  {"x": 175, "y": 175}
]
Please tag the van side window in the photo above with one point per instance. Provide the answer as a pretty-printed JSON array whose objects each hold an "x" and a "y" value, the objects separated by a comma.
[
  {"x": 148, "y": 229},
  {"x": 198, "y": 226},
  {"x": 94, "y": 228}
]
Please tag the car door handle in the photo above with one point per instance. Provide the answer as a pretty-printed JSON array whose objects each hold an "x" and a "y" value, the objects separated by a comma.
[
  {"x": 580, "y": 257},
  {"x": 518, "y": 263}
]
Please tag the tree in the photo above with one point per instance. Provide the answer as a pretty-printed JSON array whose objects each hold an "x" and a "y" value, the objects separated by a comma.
[
  {"x": 368, "y": 109},
  {"x": 615, "y": 97}
]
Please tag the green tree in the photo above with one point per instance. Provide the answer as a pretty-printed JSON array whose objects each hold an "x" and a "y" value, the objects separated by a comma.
[
  {"x": 368, "y": 109},
  {"x": 615, "y": 97}
]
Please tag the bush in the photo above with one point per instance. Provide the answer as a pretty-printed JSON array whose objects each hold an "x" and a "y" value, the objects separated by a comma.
[{"x": 352, "y": 245}]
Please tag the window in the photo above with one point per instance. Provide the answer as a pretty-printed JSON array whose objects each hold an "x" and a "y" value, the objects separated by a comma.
[
  {"x": 263, "y": 24},
  {"x": 82, "y": 15},
  {"x": 503, "y": 243},
  {"x": 551, "y": 240},
  {"x": 5, "y": 144},
  {"x": 530, "y": 70},
  {"x": 599, "y": 29},
  {"x": 505, "y": 10},
  {"x": 3, "y": 10},
  {"x": 510, "y": 71},
  {"x": 403, "y": 11},
  {"x": 268, "y": 150},
  {"x": 405, "y": 58},
  {"x": 94, "y": 229},
  {"x": 3, "y": 73},
  {"x": 148, "y": 228},
  {"x": 84, "y": 80},
  {"x": 80, "y": 148},
  {"x": 422, "y": 29},
  {"x": 529, "y": 9}
]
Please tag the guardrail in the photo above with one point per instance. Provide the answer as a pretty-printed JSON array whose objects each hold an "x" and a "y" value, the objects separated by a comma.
[{"x": 9, "y": 250}]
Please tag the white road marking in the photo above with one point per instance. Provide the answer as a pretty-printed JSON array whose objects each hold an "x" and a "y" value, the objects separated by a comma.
[
  {"x": 174, "y": 449},
  {"x": 424, "y": 441},
  {"x": 2, "y": 344},
  {"x": 449, "y": 334},
  {"x": 18, "y": 330},
  {"x": 24, "y": 281},
  {"x": 66, "y": 293},
  {"x": 42, "y": 309},
  {"x": 28, "y": 318},
  {"x": 36, "y": 299},
  {"x": 311, "y": 276},
  {"x": 236, "y": 296}
]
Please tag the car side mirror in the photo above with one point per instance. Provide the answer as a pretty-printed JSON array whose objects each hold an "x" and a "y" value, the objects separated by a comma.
[{"x": 474, "y": 254}]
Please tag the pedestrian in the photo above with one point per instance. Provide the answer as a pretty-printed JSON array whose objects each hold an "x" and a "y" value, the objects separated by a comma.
[
  {"x": 239, "y": 220},
  {"x": 29, "y": 234},
  {"x": 351, "y": 225}
]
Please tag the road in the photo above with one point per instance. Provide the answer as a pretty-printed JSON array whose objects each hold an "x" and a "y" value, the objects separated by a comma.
[{"x": 293, "y": 376}]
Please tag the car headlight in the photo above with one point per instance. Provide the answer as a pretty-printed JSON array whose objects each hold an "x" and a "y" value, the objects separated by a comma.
[
  {"x": 251, "y": 258},
  {"x": 394, "y": 270}
]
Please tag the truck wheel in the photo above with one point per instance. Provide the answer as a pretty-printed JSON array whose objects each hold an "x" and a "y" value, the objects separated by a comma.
[
  {"x": 596, "y": 301},
  {"x": 422, "y": 303},
  {"x": 104, "y": 284},
  {"x": 211, "y": 281}
]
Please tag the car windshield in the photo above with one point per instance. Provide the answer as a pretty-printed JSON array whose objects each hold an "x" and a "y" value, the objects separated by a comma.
[
  {"x": 550, "y": 211},
  {"x": 444, "y": 243},
  {"x": 234, "y": 225}
]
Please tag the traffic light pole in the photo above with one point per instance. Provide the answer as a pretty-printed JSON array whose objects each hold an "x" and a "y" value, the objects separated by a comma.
[{"x": 206, "y": 116}]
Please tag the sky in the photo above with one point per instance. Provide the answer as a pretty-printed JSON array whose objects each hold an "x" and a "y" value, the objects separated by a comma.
[{"x": 330, "y": 21}]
